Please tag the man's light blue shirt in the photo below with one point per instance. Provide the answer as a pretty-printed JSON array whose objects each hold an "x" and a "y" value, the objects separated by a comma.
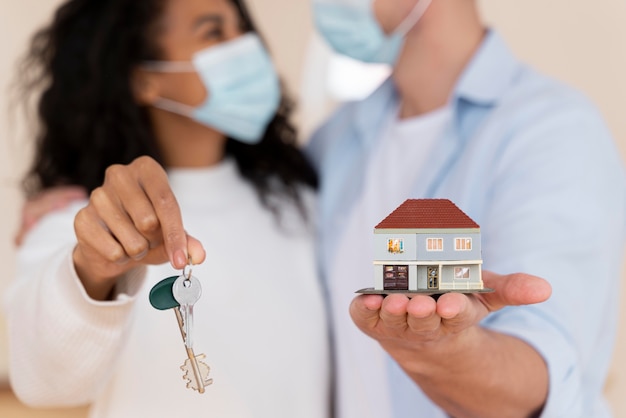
[{"x": 532, "y": 162}]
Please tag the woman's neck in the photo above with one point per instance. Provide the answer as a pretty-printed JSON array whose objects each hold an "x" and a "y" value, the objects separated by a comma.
[
  {"x": 435, "y": 53},
  {"x": 185, "y": 143}
]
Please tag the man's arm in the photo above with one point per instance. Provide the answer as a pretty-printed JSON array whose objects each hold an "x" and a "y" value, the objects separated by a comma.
[{"x": 468, "y": 370}]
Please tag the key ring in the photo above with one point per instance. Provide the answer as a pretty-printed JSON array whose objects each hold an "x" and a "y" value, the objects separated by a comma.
[{"x": 187, "y": 272}]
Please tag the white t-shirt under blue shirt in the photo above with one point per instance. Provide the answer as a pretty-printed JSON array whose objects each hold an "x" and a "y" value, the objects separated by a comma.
[{"x": 390, "y": 176}]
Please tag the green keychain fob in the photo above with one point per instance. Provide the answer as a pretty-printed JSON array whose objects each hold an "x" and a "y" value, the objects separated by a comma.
[{"x": 161, "y": 296}]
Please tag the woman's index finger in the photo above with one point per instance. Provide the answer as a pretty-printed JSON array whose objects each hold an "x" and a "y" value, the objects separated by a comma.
[{"x": 155, "y": 183}]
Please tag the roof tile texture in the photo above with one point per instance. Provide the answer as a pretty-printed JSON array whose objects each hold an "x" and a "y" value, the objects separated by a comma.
[{"x": 426, "y": 214}]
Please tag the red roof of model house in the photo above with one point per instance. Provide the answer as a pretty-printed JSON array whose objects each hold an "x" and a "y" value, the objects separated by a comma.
[{"x": 427, "y": 214}]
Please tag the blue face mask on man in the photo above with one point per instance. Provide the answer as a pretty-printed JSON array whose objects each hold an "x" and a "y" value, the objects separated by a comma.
[
  {"x": 242, "y": 85},
  {"x": 351, "y": 29}
]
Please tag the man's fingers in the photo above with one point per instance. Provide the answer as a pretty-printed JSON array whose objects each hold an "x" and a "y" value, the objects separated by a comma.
[
  {"x": 395, "y": 315},
  {"x": 422, "y": 315},
  {"x": 451, "y": 305},
  {"x": 459, "y": 311},
  {"x": 513, "y": 290},
  {"x": 49, "y": 200},
  {"x": 393, "y": 312},
  {"x": 365, "y": 311},
  {"x": 45, "y": 202},
  {"x": 57, "y": 198}
]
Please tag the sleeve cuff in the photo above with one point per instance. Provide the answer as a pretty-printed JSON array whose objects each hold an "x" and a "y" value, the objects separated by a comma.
[{"x": 68, "y": 287}]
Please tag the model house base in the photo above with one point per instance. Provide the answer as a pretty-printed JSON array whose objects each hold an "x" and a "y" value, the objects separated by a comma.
[{"x": 372, "y": 291}]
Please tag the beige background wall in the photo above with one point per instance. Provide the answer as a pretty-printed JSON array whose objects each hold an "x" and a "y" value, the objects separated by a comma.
[
  {"x": 581, "y": 42},
  {"x": 17, "y": 20}
]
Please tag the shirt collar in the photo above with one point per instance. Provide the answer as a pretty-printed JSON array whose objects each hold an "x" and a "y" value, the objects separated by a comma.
[
  {"x": 371, "y": 113},
  {"x": 484, "y": 82},
  {"x": 490, "y": 72}
]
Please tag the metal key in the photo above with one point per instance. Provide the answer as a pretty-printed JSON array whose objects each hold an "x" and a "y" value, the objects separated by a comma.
[
  {"x": 196, "y": 371},
  {"x": 187, "y": 291},
  {"x": 162, "y": 298}
]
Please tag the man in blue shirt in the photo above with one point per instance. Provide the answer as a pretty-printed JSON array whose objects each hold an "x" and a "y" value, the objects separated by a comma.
[{"x": 528, "y": 159}]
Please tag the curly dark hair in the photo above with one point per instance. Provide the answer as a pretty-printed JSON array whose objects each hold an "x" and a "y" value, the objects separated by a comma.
[{"x": 89, "y": 119}]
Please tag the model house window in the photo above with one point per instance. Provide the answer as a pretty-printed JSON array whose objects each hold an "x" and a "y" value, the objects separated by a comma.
[
  {"x": 395, "y": 246},
  {"x": 461, "y": 273},
  {"x": 463, "y": 244},
  {"x": 434, "y": 244}
]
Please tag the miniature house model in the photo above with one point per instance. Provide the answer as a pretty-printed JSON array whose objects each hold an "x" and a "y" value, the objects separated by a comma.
[{"x": 427, "y": 245}]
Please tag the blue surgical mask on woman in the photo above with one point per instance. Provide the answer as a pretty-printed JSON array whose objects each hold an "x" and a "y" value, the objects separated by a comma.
[
  {"x": 351, "y": 29},
  {"x": 242, "y": 85}
]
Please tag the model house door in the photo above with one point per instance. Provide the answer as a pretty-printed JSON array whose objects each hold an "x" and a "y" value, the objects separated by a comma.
[
  {"x": 396, "y": 277},
  {"x": 433, "y": 277}
]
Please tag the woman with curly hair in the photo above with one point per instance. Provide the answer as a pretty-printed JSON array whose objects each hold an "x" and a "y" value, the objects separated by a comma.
[{"x": 170, "y": 115}]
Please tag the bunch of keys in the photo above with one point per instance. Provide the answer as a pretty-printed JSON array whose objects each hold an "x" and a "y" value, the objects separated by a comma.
[{"x": 180, "y": 293}]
